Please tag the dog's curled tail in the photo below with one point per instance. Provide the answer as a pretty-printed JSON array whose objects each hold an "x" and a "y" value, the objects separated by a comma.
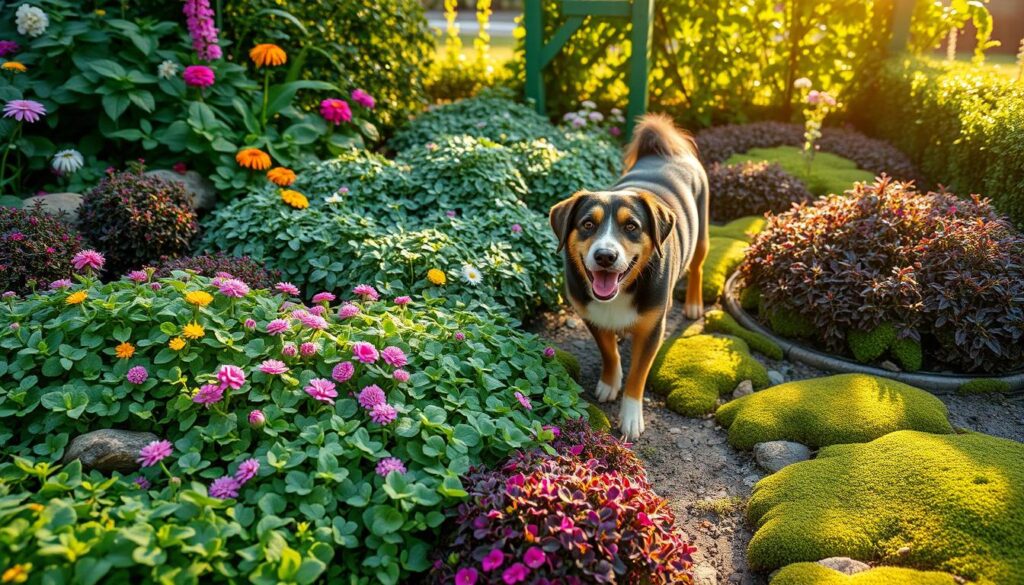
[{"x": 656, "y": 134}]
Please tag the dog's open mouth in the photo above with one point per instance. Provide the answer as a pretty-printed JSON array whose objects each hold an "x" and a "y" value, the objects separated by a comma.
[{"x": 605, "y": 283}]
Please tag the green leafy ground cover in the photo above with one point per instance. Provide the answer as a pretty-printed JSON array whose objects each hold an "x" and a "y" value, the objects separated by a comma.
[{"x": 829, "y": 173}]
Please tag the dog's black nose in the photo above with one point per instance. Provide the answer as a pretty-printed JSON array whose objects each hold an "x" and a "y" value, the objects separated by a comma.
[{"x": 605, "y": 257}]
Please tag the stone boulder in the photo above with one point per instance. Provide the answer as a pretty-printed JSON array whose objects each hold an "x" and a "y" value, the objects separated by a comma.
[
  {"x": 108, "y": 450},
  {"x": 844, "y": 565},
  {"x": 774, "y": 455},
  {"x": 199, "y": 188},
  {"x": 57, "y": 204}
]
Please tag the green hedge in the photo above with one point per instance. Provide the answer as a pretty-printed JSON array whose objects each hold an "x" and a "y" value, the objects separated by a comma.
[{"x": 964, "y": 127}]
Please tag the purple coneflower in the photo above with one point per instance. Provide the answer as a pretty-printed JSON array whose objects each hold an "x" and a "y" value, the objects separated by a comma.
[{"x": 155, "y": 452}]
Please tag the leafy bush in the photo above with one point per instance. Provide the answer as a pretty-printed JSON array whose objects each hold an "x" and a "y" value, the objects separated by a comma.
[
  {"x": 939, "y": 269},
  {"x": 752, "y": 188},
  {"x": 35, "y": 249},
  {"x": 829, "y": 173},
  {"x": 243, "y": 268},
  {"x": 471, "y": 391},
  {"x": 133, "y": 219},
  {"x": 962, "y": 125}
]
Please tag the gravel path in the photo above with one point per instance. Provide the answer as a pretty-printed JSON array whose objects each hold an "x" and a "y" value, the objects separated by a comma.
[{"x": 706, "y": 481}]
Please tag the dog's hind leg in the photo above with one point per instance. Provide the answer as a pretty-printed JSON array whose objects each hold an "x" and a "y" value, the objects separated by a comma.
[
  {"x": 647, "y": 338},
  {"x": 611, "y": 365},
  {"x": 694, "y": 306}
]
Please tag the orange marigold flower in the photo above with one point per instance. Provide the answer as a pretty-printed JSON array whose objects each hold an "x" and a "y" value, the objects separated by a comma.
[
  {"x": 76, "y": 298},
  {"x": 253, "y": 158},
  {"x": 265, "y": 54},
  {"x": 14, "y": 66},
  {"x": 176, "y": 344},
  {"x": 125, "y": 350},
  {"x": 281, "y": 176},
  {"x": 16, "y": 574},
  {"x": 193, "y": 330},
  {"x": 294, "y": 198}
]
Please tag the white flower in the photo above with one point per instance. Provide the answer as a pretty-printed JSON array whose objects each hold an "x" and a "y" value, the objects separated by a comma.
[
  {"x": 589, "y": 104},
  {"x": 579, "y": 122},
  {"x": 616, "y": 112},
  {"x": 336, "y": 198},
  {"x": 31, "y": 21},
  {"x": 67, "y": 161},
  {"x": 802, "y": 83},
  {"x": 569, "y": 116},
  {"x": 596, "y": 116},
  {"x": 471, "y": 275},
  {"x": 167, "y": 70}
]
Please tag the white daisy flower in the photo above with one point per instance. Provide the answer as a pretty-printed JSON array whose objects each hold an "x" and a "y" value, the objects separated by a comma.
[
  {"x": 589, "y": 104},
  {"x": 616, "y": 112},
  {"x": 596, "y": 116},
  {"x": 471, "y": 275},
  {"x": 68, "y": 161},
  {"x": 167, "y": 70},
  {"x": 802, "y": 83},
  {"x": 336, "y": 198},
  {"x": 31, "y": 21}
]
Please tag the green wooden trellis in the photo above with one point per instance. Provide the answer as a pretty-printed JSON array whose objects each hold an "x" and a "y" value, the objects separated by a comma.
[{"x": 540, "y": 52}]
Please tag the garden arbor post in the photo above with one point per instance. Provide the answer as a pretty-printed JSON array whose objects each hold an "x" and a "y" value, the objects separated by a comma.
[
  {"x": 902, "y": 14},
  {"x": 540, "y": 52}
]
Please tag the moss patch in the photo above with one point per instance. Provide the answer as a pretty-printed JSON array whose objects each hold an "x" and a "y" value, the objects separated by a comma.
[
  {"x": 908, "y": 354},
  {"x": 956, "y": 502},
  {"x": 597, "y": 418},
  {"x": 742, "y": 228},
  {"x": 692, "y": 372},
  {"x": 829, "y": 173},
  {"x": 868, "y": 346},
  {"x": 847, "y": 408},
  {"x": 569, "y": 362},
  {"x": 983, "y": 386},
  {"x": 815, "y": 574},
  {"x": 750, "y": 298},
  {"x": 719, "y": 321},
  {"x": 724, "y": 256},
  {"x": 789, "y": 323}
]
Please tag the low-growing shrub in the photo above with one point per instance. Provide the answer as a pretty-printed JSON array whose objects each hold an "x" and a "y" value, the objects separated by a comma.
[
  {"x": 830, "y": 173},
  {"x": 244, "y": 268},
  {"x": 35, "y": 249},
  {"x": 134, "y": 219},
  {"x": 940, "y": 270},
  {"x": 752, "y": 188},
  {"x": 361, "y": 414}
]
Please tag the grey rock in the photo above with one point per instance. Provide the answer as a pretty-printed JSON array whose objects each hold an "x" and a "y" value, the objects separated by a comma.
[
  {"x": 743, "y": 388},
  {"x": 887, "y": 365},
  {"x": 774, "y": 455},
  {"x": 108, "y": 449},
  {"x": 675, "y": 430},
  {"x": 775, "y": 377},
  {"x": 57, "y": 203},
  {"x": 844, "y": 565},
  {"x": 705, "y": 575},
  {"x": 572, "y": 323},
  {"x": 201, "y": 190}
]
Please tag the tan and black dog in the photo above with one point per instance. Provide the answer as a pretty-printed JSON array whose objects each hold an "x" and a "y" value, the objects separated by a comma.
[{"x": 625, "y": 249}]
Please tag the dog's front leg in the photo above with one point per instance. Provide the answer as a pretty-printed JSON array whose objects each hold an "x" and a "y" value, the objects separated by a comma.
[
  {"x": 647, "y": 337},
  {"x": 611, "y": 366}
]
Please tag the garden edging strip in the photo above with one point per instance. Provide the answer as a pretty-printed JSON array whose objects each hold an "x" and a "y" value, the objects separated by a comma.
[{"x": 933, "y": 382}]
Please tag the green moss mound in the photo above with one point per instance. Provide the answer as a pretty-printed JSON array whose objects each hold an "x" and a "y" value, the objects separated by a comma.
[
  {"x": 847, "y": 408},
  {"x": 692, "y": 372},
  {"x": 719, "y": 321},
  {"x": 956, "y": 502},
  {"x": 830, "y": 173},
  {"x": 908, "y": 354},
  {"x": 569, "y": 362},
  {"x": 724, "y": 256},
  {"x": 815, "y": 574},
  {"x": 742, "y": 228},
  {"x": 597, "y": 418},
  {"x": 868, "y": 346},
  {"x": 983, "y": 386},
  {"x": 788, "y": 323},
  {"x": 750, "y": 298}
]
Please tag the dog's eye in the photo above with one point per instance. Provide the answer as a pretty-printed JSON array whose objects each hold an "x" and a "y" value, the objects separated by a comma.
[
  {"x": 588, "y": 225},
  {"x": 631, "y": 227}
]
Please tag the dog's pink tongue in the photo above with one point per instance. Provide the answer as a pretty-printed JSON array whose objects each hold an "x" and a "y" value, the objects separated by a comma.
[{"x": 605, "y": 283}]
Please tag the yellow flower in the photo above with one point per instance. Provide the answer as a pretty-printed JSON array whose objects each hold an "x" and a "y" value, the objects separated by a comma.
[
  {"x": 294, "y": 198},
  {"x": 14, "y": 66},
  {"x": 125, "y": 350},
  {"x": 281, "y": 176},
  {"x": 76, "y": 298},
  {"x": 199, "y": 298},
  {"x": 101, "y": 12},
  {"x": 16, "y": 574},
  {"x": 177, "y": 344},
  {"x": 193, "y": 331},
  {"x": 253, "y": 158},
  {"x": 37, "y": 508},
  {"x": 437, "y": 277},
  {"x": 268, "y": 54}
]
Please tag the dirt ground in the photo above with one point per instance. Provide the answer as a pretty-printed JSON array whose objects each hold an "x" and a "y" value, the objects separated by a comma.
[{"x": 706, "y": 481}]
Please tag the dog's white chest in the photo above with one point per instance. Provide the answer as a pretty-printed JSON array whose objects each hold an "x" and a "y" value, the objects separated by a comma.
[{"x": 617, "y": 314}]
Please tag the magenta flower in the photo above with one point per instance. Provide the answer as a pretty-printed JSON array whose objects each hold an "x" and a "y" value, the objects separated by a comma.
[
  {"x": 466, "y": 576},
  {"x": 322, "y": 390},
  {"x": 335, "y": 111},
  {"x": 364, "y": 352},
  {"x": 287, "y": 288},
  {"x": 383, "y": 414},
  {"x": 273, "y": 367},
  {"x": 234, "y": 288},
  {"x": 29, "y": 111},
  {"x": 323, "y": 297},
  {"x": 155, "y": 452},
  {"x": 549, "y": 352},
  {"x": 534, "y": 557},
  {"x": 307, "y": 349},
  {"x": 225, "y": 488},
  {"x": 366, "y": 291},
  {"x": 231, "y": 376},
  {"x": 209, "y": 394},
  {"x": 493, "y": 560},
  {"x": 247, "y": 470},
  {"x": 343, "y": 372},
  {"x": 363, "y": 99},
  {"x": 257, "y": 419},
  {"x": 155, "y": 285},
  {"x": 403, "y": 300},
  {"x": 198, "y": 76},
  {"x": 615, "y": 131},
  {"x": 9, "y": 294},
  {"x": 400, "y": 375},
  {"x": 389, "y": 464},
  {"x": 142, "y": 482},
  {"x": 524, "y": 401},
  {"x": 371, "y": 396},
  {"x": 460, "y": 336},
  {"x": 554, "y": 430},
  {"x": 59, "y": 284},
  {"x": 450, "y": 212},
  {"x": 310, "y": 320},
  {"x": 88, "y": 259},
  {"x": 8, "y": 47},
  {"x": 278, "y": 326},
  {"x": 250, "y": 324},
  {"x": 348, "y": 310},
  {"x": 138, "y": 276},
  {"x": 516, "y": 228},
  {"x": 394, "y": 356},
  {"x": 199, "y": 18},
  {"x": 515, "y": 573},
  {"x": 137, "y": 375},
  {"x": 289, "y": 350},
  {"x": 318, "y": 310}
]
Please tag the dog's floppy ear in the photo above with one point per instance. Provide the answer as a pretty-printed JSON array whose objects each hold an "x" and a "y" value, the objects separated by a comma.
[
  {"x": 562, "y": 215},
  {"x": 663, "y": 220}
]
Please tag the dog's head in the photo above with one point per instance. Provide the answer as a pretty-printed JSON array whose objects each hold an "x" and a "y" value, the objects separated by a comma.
[{"x": 610, "y": 236}]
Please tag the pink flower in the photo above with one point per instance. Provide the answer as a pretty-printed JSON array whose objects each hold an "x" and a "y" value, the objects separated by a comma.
[
  {"x": 307, "y": 349},
  {"x": 231, "y": 287},
  {"x": 403, "y": 300},
  {"x": 199, "y": 18},
  {"x": 278, "y": 326},
  {"x": 615, "y": 131},
  {"x": 524, "y": 401},
  {"x": 371, "y": 396},
  {"x": 289, "y": 350},
  {"x": 287, "y": 288},
  {"x": 8, "y": 47},
  {"x": 209, "y": 394},
  {"x": 363, "y": 99},
  {"x": 348, "y": 310},
  {"x": 534, "y": 557},
  {"x": 493, "y": 560},
  {"x": 343, "y": 372},
  {"x": 137, "y": 375},
  {"x": 317, "y": 310},
  {"x": 322, "y": 390},
  {"x": 515, "y": 573},
  {"x": 366, "y": 291},
  {"x": 549, "y": 352},
  {"x": 460, "y": 336},
  {"x": 180, "y": 168},
  {"x": 323, "y": 297},
  {"x": 155, "y": 452},
  {"x": 813, "y": 97},
  {"x": 59, "y": 284},
  {"x": 394, "y": 356},
  {"x": 335, "y": 111},
  {"x": 273, "y": 367},
  {"x": 247, "y": 470},
  {"x": 155, "y": 285},
  {"x": 88, "y": 259},
  {"x": 29, "y": 111},
  {"x": 231, "y": 376},
  {"x": 250, "y": 324},
  {"x": 138, "y": 276},
  {"x": 450, "y": 213},
  {"x": 312, "y": 321},
  {"x": 257, "y": 419},
  {"x": 198, "y": 76},
  {"x": 142, "y": 482},
  {"x": 383, "y": 414},
  {"x": 389, "y": 464},
  {"x": 516, "y": 228},
  {"x": 364, "y": 352},
  {"x": 466, "y": 576},
  {"x": 225, "y": 488},
  {"x": 400, "y": 375}
]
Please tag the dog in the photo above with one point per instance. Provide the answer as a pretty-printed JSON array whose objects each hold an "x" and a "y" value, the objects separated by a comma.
[{"x": 625, "y": 249}]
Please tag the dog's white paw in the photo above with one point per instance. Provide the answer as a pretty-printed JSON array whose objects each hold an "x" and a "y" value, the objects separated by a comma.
[
  {"x": 631, "y": 418},
  {"x": 693, "y": 311},
  {"x": 608, "y": 392}
]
